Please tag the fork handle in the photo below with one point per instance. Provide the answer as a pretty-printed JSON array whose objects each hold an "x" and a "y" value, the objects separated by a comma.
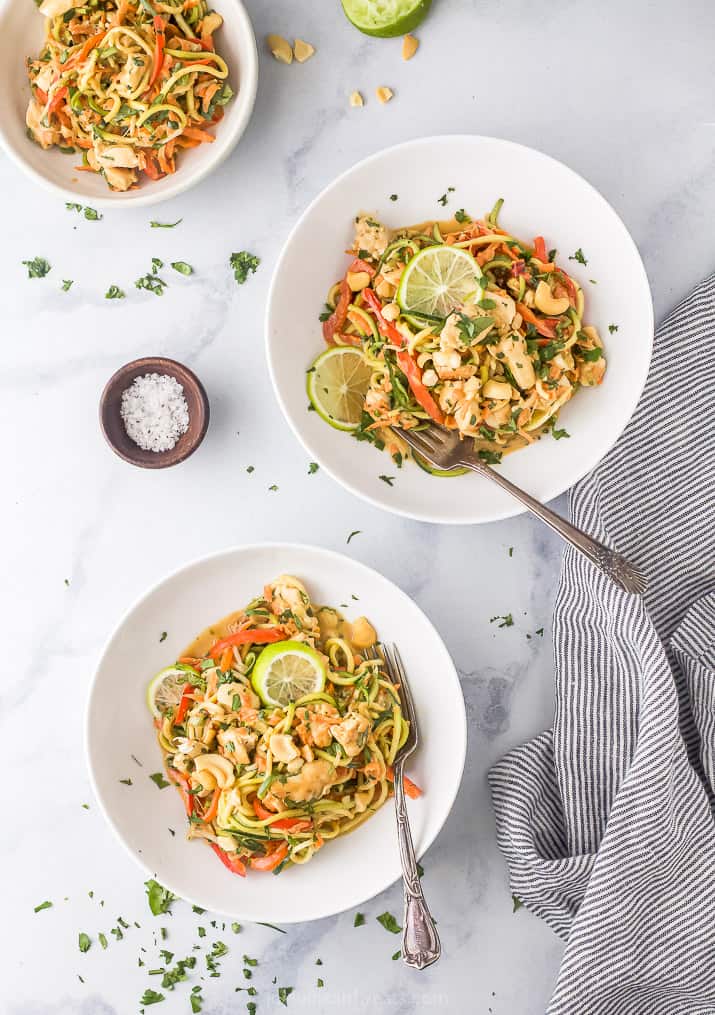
[
  {"x": 420, "y": 941},
  {"x": 613, "y": 564}
]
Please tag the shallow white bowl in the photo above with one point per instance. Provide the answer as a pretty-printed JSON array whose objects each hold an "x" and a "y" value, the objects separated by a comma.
[
  {"x": 541, "y": 197},
  {"x": 22, "y": 34},
  {"x": 348, "y": 870}
]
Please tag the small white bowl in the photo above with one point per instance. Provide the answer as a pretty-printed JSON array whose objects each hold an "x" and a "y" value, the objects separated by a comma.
[
  {"x": 541, "y": 197},
  {"x": 21, "y": 35}
]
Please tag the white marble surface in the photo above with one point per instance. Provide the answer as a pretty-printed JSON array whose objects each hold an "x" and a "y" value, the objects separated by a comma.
[{"x": 623, "y": 93}]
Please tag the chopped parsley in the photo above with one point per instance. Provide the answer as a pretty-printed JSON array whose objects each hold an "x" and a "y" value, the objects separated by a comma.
[
  {"x": 43, "y": 905},
  {"x": 250, "y": 469},
  {"x": 236, "y": 928},
  {"x": 38, "y": 267},
  {"x": 67, "y": 284},
  {"x": 442, "y": 200},
  {"x": 490, "y": 457},
  {"x": 126, "y": 782},
  {"x": 164, "y": 225},
  {"x": 578, "y": 256},
  {"x": 393, "y": 197},
  {"x": 396, "y": 956},
  {"x": 182, "y": 267},
  {"x": 115, "y": 293},
  {"x": 273, "y": 487},
  {"x": 320, "y": 983},
  {"x": 151, "y": 281},
  {"x": 588, "y": 355},
  {"x": 357, "y": 532},
  {"x": 388, "y": 479},
  {"x": 158, "y": 779},
  {"x": 506, "y": 620},
  {"x": 159, "y": 898},
  {"x": 92, "y": 215},
  {"x": 559, "y": 434},
  {"x": 389, "y": 922},
  {"x": 359, "y": 920},
  {"x": 84, "y": 942},
  {"x": 313, "y": 468},
  {"x": 283, "y": 993},
  {"x": 102, "y": 939},
  {"x": 461, "y": 215},
  {"x": 243, "y": 264},
  {"x": 540, "y": 632},
  {"x": 612, "y": 328},
  {"x": 163, "y": 636},
  {"x": 511, "y": 551},
  {"x": 151, "y": 997}
]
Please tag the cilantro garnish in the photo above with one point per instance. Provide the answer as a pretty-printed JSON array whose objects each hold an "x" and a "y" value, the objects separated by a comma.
[
  {"x": 67, "y": 284},
  {"x": 506, "y": 620},
  {"x": 43, "y": 905},
  {"x": 151, "y": 281},
  {"x": 612, "y": 328},
  {"x": 461, "y": 215},
  {"x": 159, "y": 898},
  {"x": 38, "y": 267},
  {"x": 158, "y": 779},
  {"x": 442, "y": 200},
  {"x": 243, "y": 264},
  {"x": 182, "y": 267},
  {"x": 115, "y": 293},
  {"x": 313, "y": 468},
  {"x": 388, "y": 479},
  {"x": 283, "y": 993},
  {"x": 393, "y": 197},
  {"x": 515, "y": 903},
  {"x": 84, "y": 942},
  {"x": 151, "y": 997},
  {"x": 396, "y": 955},
  {"x": 389, "y": 922},
  {"x": 126, "y": 782},
  {"x": 357, "y": 532},
  {"x": 490, "y": 457},
  {"x": 164, "y": 225},
  {"x": 578, "y": 256},
  {"x": 359, "y": 920}
]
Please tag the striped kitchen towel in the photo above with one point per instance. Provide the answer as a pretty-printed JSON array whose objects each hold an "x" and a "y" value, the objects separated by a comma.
[{"x": 606, "y": 821}]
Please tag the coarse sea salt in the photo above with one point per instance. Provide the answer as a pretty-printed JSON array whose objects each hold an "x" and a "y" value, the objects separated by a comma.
[{"x": 154, "y": 412}]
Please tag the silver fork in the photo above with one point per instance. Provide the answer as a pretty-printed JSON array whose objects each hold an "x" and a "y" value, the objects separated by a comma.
[
  {"x": 446, "y": 450},
  {"x": 420, "y": 941}
]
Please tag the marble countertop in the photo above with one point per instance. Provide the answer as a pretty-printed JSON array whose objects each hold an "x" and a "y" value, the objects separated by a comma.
[{"x": 620, "y": 93}]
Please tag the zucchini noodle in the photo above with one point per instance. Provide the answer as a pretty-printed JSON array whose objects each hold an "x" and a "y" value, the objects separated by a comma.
[
  {"x": 268, "y": 786},
  {"x": 497, "y": 368},
  {"x": 141, "y": 67}
]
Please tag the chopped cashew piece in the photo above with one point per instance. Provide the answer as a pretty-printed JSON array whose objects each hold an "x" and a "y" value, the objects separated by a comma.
[
  {"x": 409, "y": 47},
  {"x": 55, "y": 8},
  {"x": 302, "y": 51},
  {"x": 391, "y": 311},
  {"x": 384, "y": 94},
  {"x": 219, "y": 767},
  {"x": 357, "y": 280},
  {"x": 280, "y": 48},
  {"x": 356, "y": 99},
  {"x": 547, "y": 303}
]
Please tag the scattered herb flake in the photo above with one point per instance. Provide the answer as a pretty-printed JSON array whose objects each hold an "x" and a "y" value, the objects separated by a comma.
[
  {"x": 612, "y": 328},
  {"x": 84, "y": 942},
  {"x": 92, "y": 215},
  {"x": 151, "y": 282},
  {"x": 250, "y": 469},
  {"x": 388, "y": 479},
  {"x": 158, "y": 779},
  {"x": 43, "y": 905},
  {"x": 320, "y": 983},
  {"x": 38, "y": 267},
  {"x": 126, "y": 782},
  {"x": 163, "y": 636},
  {"x": 236, "y": 928},
  {"x": 396, "y": 955},
  {"x": 357, "y": 532},
  {"x": 273, "y": 487},
  {"x": 393, "y": 197},
  {"x": 160, "y": 898},
  {"x": 442, "y": 200},
  {"x": 313, "y": 468},
  {"x": 359, "y": 920},
  {"x": 243, "y": 264},
  {"x": 67, "y": 284},
  {"x": 578, "y": 256},
  {"x": 461, "y": 215},
  {"x": 283, "y": 993},
  {"x": 506, "y": 620},
  {"x": 164, "y": 225},
  {"x": 511, "y": 551},
  {"x": 389, "y": 922},
  {"x": 151, "y": 997},
  {"x": 540, "y": 632},
  {"x": 272, "y": 926},
  {"x": 516, "y": 903},
  {"x": 102, "y": 939},
  {"x": 182, "y": 267}
]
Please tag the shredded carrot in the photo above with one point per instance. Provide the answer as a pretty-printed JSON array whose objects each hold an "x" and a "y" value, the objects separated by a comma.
[
  {"x": 195, "y": 134},
  {"x": 226, "y": 660}
]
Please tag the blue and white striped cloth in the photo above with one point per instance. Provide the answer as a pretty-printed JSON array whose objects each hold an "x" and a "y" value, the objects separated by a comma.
[{"x": 606, "y": 821}]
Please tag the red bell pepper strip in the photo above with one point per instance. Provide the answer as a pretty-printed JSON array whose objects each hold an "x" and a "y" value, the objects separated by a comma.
[
  {"x": 151, "y": 169},
  {"x": 271, "y": 861},
  {"x": 210, "y": 814},
  {"x": 337, "y": 319},
  {"x": 360, "y": 265},
  {"x": 540, "y": 249},
  {"x": 412, "y": 790},
  {"x": 259, "y": 636},
  {"x": 84, "y": 52},
  {"x": 263, "y": 813},
  {"x": 545, "y": 326},
  {"x": 412, "y": 372},
  {"x": 234, "y": 863},
  {"x": 183, "y": 704},
  {"x": 406, "y": 363},
  {"x": 182, "y": 782},
  {"x": 159, "y": 30},
  {"x": 568, "y": 282}
]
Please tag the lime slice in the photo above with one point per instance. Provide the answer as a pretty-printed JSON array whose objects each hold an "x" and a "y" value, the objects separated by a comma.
[
  {"x": 286, "y": 671},
  {"x": 385, "y": 18},
  {"x": 164, "y": 691},
  {"x": 434, "y": 471},
  {"x": 438, "y": 279},
  {"x": 337, "y": 384}
]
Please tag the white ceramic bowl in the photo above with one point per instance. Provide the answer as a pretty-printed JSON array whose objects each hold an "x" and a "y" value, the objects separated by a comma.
[
  {"x": 21, "y": 35},
  {"x": 541, "y": 197},
  {"x": 348, "y": 870}
]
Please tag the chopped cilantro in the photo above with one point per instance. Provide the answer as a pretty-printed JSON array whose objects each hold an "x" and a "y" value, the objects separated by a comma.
[
  {"x": 442, "y": 200},
  {"x": 71, "y": 206},
  {"x": 540, "y": 632},
  {"x": 612, "y": 328},
  {"x": 114, "y": 293},
  {"x": 515, "y": 903},
  {"x": 92, "y": 215},
  {"x": 396, "y": 956},
  {"x": 389, "y": 922},
  {"x": 388, "y": 479},
  {"x": 102, "y": 939},
  {"x": 359, "y": 920},
  {"x": 357, "y": 532},
  {"x": 313, "y": 468},
  {"x": 320, "y": 983},
  {"x": 43, "y": 905},
  {"x": 393, "y": 197},
  {"x": 511, "y": 551},
  {"x": 163, "y": 636},
  {"x": 151, "y": 997},
  {"x": 151, "y": 282},
  {"x": 490, "y": 457},
  {"x": 506, "y": 620},
  {"x": 159, "y": 898},
  {"x": 67, "y": 284},
  {"x": 164, "y": 225},
  {"x": 158, "y": 779},
  {"x": 243, "y": 264},
  {"x": 38, "y": 267},
  {"x": 250, "y": 469},
  {"x": 84, "y": 942},
  {"x": 558, "y": 434},
  {"x": 126, "y": 782},
  {"x": 578, "y": 256},
  {"x": 236, "y": 928},
  {"x": 283, "y": 993},
  {"x": 273, "y": 487},
  {"x": 182, "y": 267},
  {"x": 461, "y": 215}
]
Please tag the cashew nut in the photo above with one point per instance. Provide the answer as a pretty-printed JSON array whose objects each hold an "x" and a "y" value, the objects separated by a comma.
[
  {"x": 496, "y": 389},
  {"x": 280, "y": 48},
  {"x": 547, "y": 303},
  {"x": 357, "y": 280},
  {"x": 302, "y": 51}
]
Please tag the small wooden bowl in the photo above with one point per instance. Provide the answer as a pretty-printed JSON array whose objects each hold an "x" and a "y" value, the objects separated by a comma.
[{"x": 113, "y": 425}]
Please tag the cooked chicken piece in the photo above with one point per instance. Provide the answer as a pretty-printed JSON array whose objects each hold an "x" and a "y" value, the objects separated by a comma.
[
  {"x": 45, "y": 136},
  {"x": 351, "y": 733},
  {"x": 370, "y": 236},
  {"x": 282, "y": 747},
  {"x": 314, "y": 778}
]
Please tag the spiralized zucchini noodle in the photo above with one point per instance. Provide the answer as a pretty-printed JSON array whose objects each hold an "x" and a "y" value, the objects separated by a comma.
[
  {"x": 267, "y": 786},
  {"x": 128, "y": 83},
  {"x": 497, "y": 369}
]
